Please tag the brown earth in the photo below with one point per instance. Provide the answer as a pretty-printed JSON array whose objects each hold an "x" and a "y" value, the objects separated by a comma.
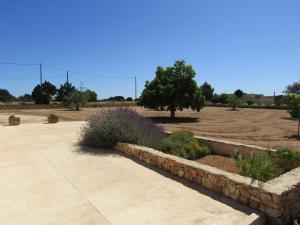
[
  {"x": 221, "y": 162},
  {"x": 263, "y": 127}
]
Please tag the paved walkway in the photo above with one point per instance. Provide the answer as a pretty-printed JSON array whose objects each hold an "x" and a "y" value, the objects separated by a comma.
[{"x": 46, "y": 179}]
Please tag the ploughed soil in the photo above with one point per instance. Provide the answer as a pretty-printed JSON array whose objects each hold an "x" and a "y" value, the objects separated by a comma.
[
  {"x": 221, "y": 162},
  {"x": 262, "y": 127}
]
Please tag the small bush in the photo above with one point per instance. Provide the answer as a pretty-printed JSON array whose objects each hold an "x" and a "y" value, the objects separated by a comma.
[
  {"x": 259, "y": 167},
  {"x": 120, "y": 125},
  {"x": 183, "y": 144},
  {"x": 234, "y": 102},
  {"x": 250, "y": 102}
]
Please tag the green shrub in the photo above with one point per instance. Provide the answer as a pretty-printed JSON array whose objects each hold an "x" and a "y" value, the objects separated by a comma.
[
  {"x": 234, "y": 102},
  {"x": 259, "y": 167},
  {"x": 183, "y": 144}
]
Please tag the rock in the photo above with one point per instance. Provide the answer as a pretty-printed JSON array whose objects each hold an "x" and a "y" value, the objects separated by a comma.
[
  {"x": 180, "y": 173},
  {"x": 266, "y": 198}
]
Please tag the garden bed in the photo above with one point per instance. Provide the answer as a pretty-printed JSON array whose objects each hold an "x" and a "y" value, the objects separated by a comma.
[{"x": 221, "y": 162}]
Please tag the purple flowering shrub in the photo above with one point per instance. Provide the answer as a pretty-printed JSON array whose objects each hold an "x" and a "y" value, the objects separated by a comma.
[{"x": 120, "y": 125}]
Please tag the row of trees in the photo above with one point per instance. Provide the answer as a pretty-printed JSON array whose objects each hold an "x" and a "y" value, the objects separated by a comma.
[{"x": 45, "y": 92}]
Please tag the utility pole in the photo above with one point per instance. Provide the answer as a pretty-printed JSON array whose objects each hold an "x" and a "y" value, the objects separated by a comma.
[
  {"x": 135, "y": 88},
  {"x": 67, "y": 77},
  {"x": 41, "y": 74},
  {"x": 41, "y": 81}
]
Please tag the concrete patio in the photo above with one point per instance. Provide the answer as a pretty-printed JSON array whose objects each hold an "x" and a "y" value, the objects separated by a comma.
[{"x": 46, "y": 179}]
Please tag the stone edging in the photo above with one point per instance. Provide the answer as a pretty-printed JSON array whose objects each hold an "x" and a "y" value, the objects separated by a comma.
[
  {"x": 228, "y": 148},
  {"x": 279, "y": 199}
]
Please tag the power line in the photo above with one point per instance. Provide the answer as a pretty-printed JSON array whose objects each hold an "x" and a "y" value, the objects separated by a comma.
[
  {"x": 14, "y": 79},
  {"x": 86, "y": 74},
  {"x": 101, "y": 76},
  {"x": 19, "y": 64},
  {"x": 62, "y": 69}
]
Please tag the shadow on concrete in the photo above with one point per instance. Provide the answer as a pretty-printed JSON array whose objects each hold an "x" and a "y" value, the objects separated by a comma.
[
  {"x": 100, "y": 152},
  {"x": 218, "y": 197},
  {"x": 166, "y": 120},
  {"x": 96, "y": 151}
]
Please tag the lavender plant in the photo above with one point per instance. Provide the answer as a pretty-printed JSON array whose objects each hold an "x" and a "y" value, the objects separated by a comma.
[{"x": 108, "y": 127}]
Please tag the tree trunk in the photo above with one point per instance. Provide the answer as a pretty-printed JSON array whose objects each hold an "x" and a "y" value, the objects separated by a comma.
[
  {"x": 172, "y": 113},
  {"x": 77, "y": 106}
]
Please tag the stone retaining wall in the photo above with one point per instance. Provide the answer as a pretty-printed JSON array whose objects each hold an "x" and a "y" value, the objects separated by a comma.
[
  {"x": 279, "y": 199},
  {"x": 228, "y": 148}
]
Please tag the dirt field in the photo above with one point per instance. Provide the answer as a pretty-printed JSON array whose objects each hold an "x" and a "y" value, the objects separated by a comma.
[{"x": 263, "y": 127}]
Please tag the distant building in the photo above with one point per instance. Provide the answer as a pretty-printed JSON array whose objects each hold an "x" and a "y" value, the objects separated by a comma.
[{"x": 259, "y": 98}]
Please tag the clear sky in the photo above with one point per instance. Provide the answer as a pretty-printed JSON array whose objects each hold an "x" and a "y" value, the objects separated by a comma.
[{"x": 249, "y": 44}]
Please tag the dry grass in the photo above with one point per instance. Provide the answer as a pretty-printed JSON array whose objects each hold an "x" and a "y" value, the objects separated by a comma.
[{"x": 264, "y": 127}]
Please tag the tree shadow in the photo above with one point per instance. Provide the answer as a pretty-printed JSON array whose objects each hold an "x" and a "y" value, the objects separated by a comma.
[
  {"x": 69, "y": 110},
  {"x": 294, "y": 137},
  {"x": 290, "y": 118},
  {"x": 166, "y": 120}
]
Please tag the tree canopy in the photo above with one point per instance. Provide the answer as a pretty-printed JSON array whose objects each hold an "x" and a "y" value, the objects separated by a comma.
[
  {"x": 42, "y": 94},
  {"x": 116, "y": 98},
  {"x": 25, "y": 97},
  {"x": 173, "y": 88},
  {"x": 293, "y": 88},
  {"x": 207, "y": 91},
  {"x": 5, "y": 96},
  {"x": 91, "y": 95},
  {"x": 293, "y": 102},
  {"x": 234, "y": 102},
  {"x": 65, "y": 90},
  {"x": 239, "y": 93},
  {"x": 77, "y": 98}
]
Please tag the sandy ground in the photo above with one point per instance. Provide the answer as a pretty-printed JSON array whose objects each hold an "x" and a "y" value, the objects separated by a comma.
[
  {"x": 46, "y": 179},
  {"x": 24, "y": 119},
  {"x": 263, "y": 127}
]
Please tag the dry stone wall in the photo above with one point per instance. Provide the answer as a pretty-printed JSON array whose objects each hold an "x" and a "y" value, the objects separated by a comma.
[{"x": 279, "y": 199}]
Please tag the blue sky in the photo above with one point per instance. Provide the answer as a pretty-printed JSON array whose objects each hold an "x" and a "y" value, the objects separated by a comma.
[{"x": 249, "y": 44}]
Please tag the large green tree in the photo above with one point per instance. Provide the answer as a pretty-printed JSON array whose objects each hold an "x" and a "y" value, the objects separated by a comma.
[
  {"x": 207, "y": 91},
  {"x": 173, "y": 88},
  {"x": 77, "y": 98},
  {"x": 91, "y": 95},
  {"x": 5, "y": 96},
  {"x": 43, "y": 93},
  {"x": 65, "y": 90}
]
